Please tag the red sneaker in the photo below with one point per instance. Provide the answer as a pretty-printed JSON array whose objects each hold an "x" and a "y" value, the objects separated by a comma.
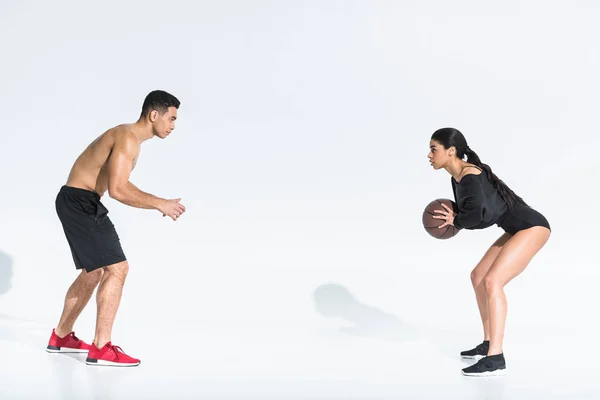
[
  {"x": 67, "y": 344},
  {"x": 111, "y": 356}
]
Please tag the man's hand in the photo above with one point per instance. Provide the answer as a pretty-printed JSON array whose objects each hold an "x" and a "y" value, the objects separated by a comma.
[{"x": 172, "y": 208}]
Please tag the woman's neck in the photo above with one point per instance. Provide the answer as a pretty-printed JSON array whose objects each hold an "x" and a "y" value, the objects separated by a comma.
[{"x": 456, "y": 168}]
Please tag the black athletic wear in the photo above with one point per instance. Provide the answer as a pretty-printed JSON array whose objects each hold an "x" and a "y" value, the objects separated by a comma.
[
  {"x": 480, "y": 206},
  {"x": 488, "y": 366},
  {"x": 91, "y": 235},
  {"x": 521, "y": 217},
  {"x": 479, "y": 351}
]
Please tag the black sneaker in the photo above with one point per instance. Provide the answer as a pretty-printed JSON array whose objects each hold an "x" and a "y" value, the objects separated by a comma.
[
  {"x": 478, "y": 352},
  {"x": 488, "y": 366}
]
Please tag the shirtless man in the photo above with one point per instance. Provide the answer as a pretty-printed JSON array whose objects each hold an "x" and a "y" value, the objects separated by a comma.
[{"x": 105, "y": 165}]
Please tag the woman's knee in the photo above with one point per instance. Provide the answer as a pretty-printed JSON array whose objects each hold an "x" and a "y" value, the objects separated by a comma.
[
  {"x": 476, "y": 277},
  {"x": 491, "y": 283}
]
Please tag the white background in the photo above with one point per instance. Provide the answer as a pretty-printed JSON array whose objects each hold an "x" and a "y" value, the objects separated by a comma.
[{"x": 301, "y": 268}]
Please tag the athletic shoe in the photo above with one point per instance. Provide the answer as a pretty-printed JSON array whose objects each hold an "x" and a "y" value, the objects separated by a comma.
[
  {"x": 110, "y": 355},
  {"x": 67, "y": 344},
  {"x": 488, "y": 366},
  {"x": 478, "y": 352}
]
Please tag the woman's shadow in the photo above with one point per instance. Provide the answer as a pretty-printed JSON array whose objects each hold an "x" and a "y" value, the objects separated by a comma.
[{"x": 335, "y": 301}]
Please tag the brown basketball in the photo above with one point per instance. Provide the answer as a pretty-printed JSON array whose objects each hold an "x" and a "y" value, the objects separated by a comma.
[{"x": 431, "y": 224}]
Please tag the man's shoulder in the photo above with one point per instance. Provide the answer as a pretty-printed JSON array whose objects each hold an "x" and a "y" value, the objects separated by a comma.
[
  {"x": 124, "y": 140},
  {"x": 123, "y": 133},
  {"x": 121, "y": 130}
]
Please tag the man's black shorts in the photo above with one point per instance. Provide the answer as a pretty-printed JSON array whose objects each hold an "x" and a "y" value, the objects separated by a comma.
[{"x": 91, "y": 235}]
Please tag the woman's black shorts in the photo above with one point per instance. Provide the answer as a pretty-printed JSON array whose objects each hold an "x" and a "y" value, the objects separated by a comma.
[{"x": 521, "y": 217}]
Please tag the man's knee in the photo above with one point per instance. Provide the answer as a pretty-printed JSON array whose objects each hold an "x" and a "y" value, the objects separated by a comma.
[
  {"x": 92, "y": 278},
  {"x": 118, "y": 270}
]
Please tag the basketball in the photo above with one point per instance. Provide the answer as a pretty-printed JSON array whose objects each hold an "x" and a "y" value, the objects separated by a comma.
[{"x": 431, "y": 224}]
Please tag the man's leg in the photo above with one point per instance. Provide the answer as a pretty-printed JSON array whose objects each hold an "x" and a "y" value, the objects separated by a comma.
[
  {"x": 108, "y": 299},
  {"x": 76, "y": 299}
]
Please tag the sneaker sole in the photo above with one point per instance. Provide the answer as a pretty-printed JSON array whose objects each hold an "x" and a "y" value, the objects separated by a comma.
[
  {"x": 104, "y": 363},
  {"x": 498, "y": 372},
  {"x": 56, "y": 349},
  {"x": 477, "y": 357}
]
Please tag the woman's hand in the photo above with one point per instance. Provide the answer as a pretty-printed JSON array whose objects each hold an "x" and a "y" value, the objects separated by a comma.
[{"x": 447, "y": 215}]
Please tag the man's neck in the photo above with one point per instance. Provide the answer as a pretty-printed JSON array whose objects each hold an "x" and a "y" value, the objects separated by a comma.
[{"x": 142, "y": 130}]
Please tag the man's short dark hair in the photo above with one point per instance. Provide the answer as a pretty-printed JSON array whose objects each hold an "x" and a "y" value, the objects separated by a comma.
[{"x": 160, "y": 101}]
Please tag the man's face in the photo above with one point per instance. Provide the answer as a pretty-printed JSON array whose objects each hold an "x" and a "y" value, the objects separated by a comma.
[{"x": 164, "y": 124}]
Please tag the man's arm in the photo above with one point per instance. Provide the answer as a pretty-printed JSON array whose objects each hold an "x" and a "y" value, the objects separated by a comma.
[{"x": 126, "y": 148}]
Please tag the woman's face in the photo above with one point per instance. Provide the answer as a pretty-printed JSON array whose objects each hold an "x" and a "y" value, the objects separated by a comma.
[{"x": 438, "y": 156}]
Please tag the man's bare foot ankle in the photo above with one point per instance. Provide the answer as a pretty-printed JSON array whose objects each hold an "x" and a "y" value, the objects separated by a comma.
[
  {"x": 100, "y": 342},
  {"x": 61, "y": 333}
]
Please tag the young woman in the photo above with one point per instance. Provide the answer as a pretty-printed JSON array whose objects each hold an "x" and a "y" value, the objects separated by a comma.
[{"x": 484, "y": 200}]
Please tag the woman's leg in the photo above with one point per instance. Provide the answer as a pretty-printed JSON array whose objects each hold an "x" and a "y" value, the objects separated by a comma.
[
  {"x": 477, "y": 275},
  {"x": 515, "y": 255}
]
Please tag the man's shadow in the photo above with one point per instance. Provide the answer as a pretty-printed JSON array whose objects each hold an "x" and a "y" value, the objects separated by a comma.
[
  {"x": 35, "y": 334},
  {"x": 335, "y": 301},
  {"x": 5, "y": 272},
  {"x": 13, "y": 328}
]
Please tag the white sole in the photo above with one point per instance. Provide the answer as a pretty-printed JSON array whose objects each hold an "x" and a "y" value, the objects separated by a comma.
[
  {"x": 498, "y": 372},
  {"x": 472, "y": 357},
  {"x": 104, "y": 363},
  {"x": 65, "y": 350}
]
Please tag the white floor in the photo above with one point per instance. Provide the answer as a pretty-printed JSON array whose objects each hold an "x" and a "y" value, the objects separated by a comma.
[
  {"x": 350, "y": 351},
  {"x": 300, "y": 155}
]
